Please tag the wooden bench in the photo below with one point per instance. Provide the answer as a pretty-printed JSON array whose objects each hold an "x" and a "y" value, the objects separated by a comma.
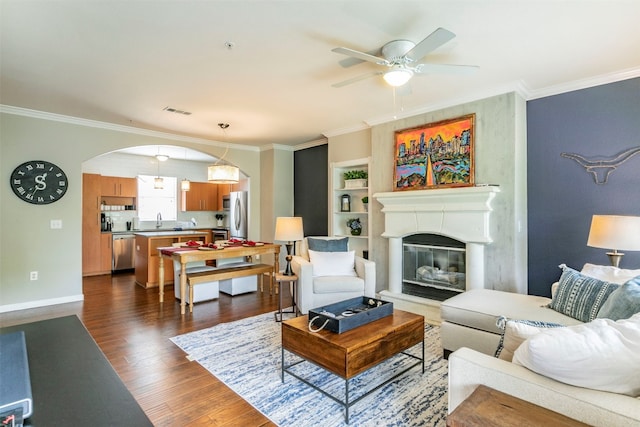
[{"x": 227, "y": 271}]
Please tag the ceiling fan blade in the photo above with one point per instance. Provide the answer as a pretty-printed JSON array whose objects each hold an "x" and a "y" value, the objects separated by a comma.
[
  {"x": 433, "y": 41},
  {"x": 357, "y": 79},
  {"x": 351, "y": 61},
  {"x": 360, "y": 55},
  {"x": 426, "y": 68}
]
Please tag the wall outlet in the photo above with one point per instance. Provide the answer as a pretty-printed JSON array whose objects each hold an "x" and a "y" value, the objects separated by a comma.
[
  {"x": 257, "y": 257},
  {"x": 33, "y": 275},
  {"x": 56, "y": 224}
]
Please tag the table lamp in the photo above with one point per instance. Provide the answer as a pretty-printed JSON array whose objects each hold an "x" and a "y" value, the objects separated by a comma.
[
  {"x": 616, "y": 232},
  {"x": 289, "y": 229}
]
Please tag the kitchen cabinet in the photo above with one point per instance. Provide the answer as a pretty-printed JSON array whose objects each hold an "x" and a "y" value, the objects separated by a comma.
[
  {"x": 118, "y": 186},
  {"x": 91, "y": 235},
  {"x": 96, "y": 245},
  {"x": 147, "y": 259},
  {"x": 203, "y": 196},
  {"x": 106, "y": 251},
  {"x": 357, "y": 208},
  {"x": 223, "y": 190}
]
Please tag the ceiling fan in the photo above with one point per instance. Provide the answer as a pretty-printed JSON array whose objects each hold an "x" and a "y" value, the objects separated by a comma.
[{"x": 401, "y": 57}]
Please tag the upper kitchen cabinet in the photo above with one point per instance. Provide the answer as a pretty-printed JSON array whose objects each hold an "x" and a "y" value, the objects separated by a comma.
[
  {"x": 223, "y": 190},
  {"x": 119, "y": 187},
  {"x": 203, "y": 196}
]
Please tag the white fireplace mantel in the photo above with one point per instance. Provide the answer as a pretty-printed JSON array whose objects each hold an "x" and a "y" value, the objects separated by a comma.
[{"x": 461, "y": 213}]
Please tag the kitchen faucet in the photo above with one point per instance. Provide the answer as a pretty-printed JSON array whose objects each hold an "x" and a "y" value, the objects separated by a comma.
[{"x": 159, "y": 220}]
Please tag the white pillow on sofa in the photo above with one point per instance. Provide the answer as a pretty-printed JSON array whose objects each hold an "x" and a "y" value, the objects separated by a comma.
[
  {"x": 333, "y": 263},
  {"x": 609, "y": 273},
  {"x": 515, "y": 332},
  {"x": 601, "y": 355}
]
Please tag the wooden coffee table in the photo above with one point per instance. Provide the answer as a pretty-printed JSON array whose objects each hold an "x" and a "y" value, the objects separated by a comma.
[
  {"x": 353, "y": 352},
  {"x": 489, "y": 407}
]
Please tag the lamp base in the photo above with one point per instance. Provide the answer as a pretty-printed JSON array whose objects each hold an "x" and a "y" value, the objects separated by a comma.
[
  {"x": 615, "y": 257},
  {"x": 288, "y": 271}
]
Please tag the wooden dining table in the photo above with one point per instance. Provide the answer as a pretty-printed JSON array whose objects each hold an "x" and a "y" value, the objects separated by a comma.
[{"x": 185, "y": 255}]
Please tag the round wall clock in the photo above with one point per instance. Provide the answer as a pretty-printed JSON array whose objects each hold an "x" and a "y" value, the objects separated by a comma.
[{"x": 39, "y": 182}]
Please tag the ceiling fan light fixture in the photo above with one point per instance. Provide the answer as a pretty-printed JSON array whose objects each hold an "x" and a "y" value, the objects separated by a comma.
[{"x": 398, "y": 76}]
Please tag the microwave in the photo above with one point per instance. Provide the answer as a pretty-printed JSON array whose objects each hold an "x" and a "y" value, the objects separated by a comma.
[{"x": 226, "y": 203}]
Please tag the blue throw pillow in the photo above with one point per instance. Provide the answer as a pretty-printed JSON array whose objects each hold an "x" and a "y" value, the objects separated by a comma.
[
  {"x": 623, "y": 303},
  {"x": 580, "y": 296},
  {"x": 333, "y": 245}
]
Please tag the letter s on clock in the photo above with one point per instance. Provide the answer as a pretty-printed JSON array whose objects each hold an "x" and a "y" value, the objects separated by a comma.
[{"x": 39, "y": 182}]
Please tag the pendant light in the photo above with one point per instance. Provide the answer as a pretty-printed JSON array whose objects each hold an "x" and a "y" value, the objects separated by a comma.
[
  {"x": 185, "y": 184},
  {"x": 158, "y": 182},
  {"x": 221, "y": 172}
]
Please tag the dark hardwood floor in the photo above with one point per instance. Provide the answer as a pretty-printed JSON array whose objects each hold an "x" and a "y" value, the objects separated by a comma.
[{"x": 133, "y": 331}]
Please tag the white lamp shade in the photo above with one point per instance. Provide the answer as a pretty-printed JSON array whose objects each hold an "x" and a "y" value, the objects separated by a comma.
[
  {"x": 615, "y": 232},
  {"x": 223, "y": 174},
  {"x": 185, "y": 185},
  {"x": 158, "y": 183},
  {"x": 289, "y": 229},
  {"x": 397, "y": 76}
]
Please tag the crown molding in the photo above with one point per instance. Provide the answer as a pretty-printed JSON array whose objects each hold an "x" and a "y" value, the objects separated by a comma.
[
  {"x": 518, "y": 87},
  {"x": 267, "y": 147},
  {"x": 345, "y": 130},
  {"x": 311, "y": 144},
  {"x": 584, "y": 83},
  {"x": 19, "y": 111}
]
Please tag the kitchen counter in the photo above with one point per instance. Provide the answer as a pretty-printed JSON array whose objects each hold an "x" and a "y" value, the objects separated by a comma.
[
  {"x": 167, "y": 233},
  {"x": 146, "y": 250}
]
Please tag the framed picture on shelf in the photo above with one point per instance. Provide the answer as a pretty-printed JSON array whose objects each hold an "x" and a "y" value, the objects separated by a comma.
[{"x": 435, "y": 155}]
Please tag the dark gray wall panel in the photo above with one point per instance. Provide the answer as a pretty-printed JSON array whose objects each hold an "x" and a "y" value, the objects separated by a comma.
[
  {"x": 597, "y": 122},
  {"x": 311, "y": 181}
]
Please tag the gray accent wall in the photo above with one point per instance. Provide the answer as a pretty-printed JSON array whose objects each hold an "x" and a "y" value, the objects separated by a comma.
[
  {"x": 598, "y": 122},
  {"x": 310, "y": 184}
]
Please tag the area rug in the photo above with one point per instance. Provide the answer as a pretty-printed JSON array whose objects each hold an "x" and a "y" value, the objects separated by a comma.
[{"x": 246, "y": 356}]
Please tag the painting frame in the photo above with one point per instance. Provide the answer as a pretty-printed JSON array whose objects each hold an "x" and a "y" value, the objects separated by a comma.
[{"x": 435, "y": 155}]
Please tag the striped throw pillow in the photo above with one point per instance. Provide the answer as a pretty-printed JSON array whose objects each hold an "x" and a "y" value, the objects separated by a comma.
[{"x": 580, "y": 296}]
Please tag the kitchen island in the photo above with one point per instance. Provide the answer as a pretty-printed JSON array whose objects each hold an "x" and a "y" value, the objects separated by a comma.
[{"x": 146, "y": 250}]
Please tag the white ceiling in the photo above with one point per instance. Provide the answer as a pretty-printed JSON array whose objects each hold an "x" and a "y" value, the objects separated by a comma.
[{"x": 122, "y": 62}]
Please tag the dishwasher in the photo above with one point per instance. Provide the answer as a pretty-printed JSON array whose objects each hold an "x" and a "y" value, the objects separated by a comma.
[{"x": 123, "y": 252}]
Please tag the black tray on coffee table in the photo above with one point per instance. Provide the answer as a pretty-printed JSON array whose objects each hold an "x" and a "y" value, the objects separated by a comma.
[{"x": 348, "y": 314}]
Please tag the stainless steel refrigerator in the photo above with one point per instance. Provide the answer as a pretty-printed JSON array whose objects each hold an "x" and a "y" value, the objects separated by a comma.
[{"x": 238, "y": 214}]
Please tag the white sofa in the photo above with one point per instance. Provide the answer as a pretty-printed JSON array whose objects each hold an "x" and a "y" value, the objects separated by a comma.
[
  {"x": 469, "y": 368},
  {"x": 469, "y": 330},
  {"x": 317, "y": 291},
  {"x": 469, "y": 319}
]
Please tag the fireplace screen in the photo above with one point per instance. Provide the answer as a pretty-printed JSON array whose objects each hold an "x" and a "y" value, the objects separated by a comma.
[{"x": 432, "y": 263}]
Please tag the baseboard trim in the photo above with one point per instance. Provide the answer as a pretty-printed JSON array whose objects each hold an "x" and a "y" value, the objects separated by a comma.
[{"x": 40, "y": 303}]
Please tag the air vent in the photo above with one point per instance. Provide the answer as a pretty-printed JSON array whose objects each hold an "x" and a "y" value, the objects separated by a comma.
[{"x": 175, "y": 110}]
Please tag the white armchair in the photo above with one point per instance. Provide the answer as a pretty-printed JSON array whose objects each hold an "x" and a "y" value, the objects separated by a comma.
[{"x": 316, "y": 291}]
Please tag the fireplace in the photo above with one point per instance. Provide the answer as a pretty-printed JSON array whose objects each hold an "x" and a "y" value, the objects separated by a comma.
[
  {"x": 433, "y": 266},
  {"x": 458, "y": 219}
]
